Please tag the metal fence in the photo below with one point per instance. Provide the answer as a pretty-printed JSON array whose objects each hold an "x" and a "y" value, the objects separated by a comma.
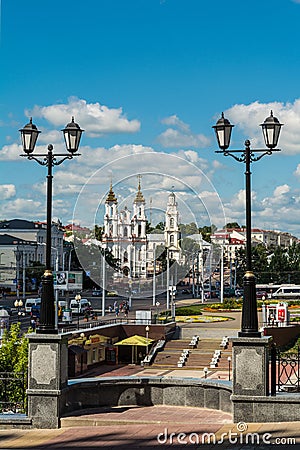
[
  {"x": 285, "y": 371},
  {"x": 13, "y": 392},
  {"x": 116, "y": 321}
]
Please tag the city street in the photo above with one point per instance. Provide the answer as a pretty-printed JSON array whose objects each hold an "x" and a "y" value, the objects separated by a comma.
[{"x": 96, "y": 302}]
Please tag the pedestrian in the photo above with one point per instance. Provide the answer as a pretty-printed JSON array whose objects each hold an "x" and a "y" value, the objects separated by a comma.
[
  {"x": 117, "y": 311},
  {"x": 126, "y": 310},
  {"x": 33, "y": 324}
]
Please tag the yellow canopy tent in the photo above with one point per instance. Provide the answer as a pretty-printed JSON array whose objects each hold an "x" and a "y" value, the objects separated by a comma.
[{"x": 135, "y": 341}]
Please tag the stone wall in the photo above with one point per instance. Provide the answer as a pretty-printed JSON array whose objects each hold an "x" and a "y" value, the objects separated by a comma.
[
  {"x": 144, "y": 391},
  {"x": 282, "y": 408}
]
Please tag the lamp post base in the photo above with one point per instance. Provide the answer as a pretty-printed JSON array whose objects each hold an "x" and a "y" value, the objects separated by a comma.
[
  {"x": 249, "y": 327},
  {"x": 47, "y": 313}
]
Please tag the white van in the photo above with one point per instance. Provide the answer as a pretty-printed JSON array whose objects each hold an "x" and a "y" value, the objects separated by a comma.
[
  {"x": 84, "y": 305},
  {"x": 287, "y": 291},
  {"x": 31, "y": 302}
]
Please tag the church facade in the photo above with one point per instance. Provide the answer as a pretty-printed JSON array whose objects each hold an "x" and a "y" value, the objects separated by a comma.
[{"x": 126, "y": 237}]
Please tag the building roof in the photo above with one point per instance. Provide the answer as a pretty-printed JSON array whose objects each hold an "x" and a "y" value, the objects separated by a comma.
[
  {"x": 7, "y": 239},
  {"x": 156, "y": 237},
  {"x": 19, "y": 224},
  {"x": 111, "y": 198},
  {"x": 139, "y": 198}
]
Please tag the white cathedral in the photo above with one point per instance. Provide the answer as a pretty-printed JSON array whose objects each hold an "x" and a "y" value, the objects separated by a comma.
[{"x": 125, "y": 234}]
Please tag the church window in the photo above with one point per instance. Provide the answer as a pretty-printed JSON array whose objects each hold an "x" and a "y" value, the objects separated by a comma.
[
  {"x": 172, "y": 222},
  {"x": 140, "y": 211},
  {"x": 111, "y": 211},
  {"x": 125, "y": 257},
  {"x": 139, "y": 230},
  {"x": 172, "y": 239},
  {"x": 125, "y": 232}
]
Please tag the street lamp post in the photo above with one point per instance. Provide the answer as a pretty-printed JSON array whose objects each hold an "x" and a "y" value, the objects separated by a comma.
[
  {"x": 229, "y": 361},
  {"x": 18, "y": 259},
  {"x": 78, "y": 298},
  {"x": 271, "y": 130},
  {"x": 29, "y": 134},
  {"x": 157, "y": 304},
  {"x": 147, "y": 338}
]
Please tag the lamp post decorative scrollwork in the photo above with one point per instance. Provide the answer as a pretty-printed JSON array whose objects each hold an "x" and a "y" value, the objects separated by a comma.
[
  {"x": 29, "y": 135},
  {"x": 271, "y": 131}
]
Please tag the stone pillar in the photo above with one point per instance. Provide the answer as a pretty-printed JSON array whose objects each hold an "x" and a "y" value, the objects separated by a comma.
[
  {"x": 250, "y": 375},
  {"x": 47, "y": 378}
]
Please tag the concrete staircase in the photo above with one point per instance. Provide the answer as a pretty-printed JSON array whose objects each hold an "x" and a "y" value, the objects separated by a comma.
[{"x": 210, "y": 353}]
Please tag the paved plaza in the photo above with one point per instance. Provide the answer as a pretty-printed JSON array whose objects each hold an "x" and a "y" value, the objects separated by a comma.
[{"x": 153, "y": 427}]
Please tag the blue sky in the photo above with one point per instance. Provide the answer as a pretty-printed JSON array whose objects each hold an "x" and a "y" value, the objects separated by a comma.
[{"x": 147, "y": 79}]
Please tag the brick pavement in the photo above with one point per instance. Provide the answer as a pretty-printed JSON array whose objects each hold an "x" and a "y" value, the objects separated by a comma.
[{"x": 152, "y": 427}]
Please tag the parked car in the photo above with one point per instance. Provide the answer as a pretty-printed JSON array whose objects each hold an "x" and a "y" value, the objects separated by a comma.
[
  {"x": 239, "y": 292},
  {"x": 261, "y": 294},
  {"x": 7, "y": 308},
  {"x": 30, "y": 302},
  {"x": 35, "y": 311},
  {"x": 96, "y": 293},
  {"x": 80, "y": 307},
  {"x": 112, "y": 293}
]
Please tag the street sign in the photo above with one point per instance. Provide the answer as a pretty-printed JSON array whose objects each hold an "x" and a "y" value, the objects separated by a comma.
[{"x": 67, "y": 281}]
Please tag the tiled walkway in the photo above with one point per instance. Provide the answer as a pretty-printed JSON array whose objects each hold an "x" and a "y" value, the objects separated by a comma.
[{"x": 155, "y": 427}]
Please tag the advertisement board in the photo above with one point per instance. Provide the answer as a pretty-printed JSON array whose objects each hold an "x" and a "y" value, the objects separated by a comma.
[{"x": 67, "y": 281}]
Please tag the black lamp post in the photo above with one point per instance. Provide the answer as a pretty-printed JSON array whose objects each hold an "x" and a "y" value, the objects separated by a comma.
[
  {"x": 29, "y": 134},
  {"x": 271, "y": 130},
  {"x": 78, "y": 298}
]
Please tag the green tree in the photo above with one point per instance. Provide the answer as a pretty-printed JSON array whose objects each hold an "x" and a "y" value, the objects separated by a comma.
[
  {"x": 260, "y": 264},
  {"x": 149, "y": 228},
  {"x": 98, "y": 232},
  {"x": 293, "y": 255},
  {"x": 278, "y": 266},
  {"x": 189, "y": 245},
  {"x": 188, "y": 229},
  {"x": 232, "y": 225},
  {"x": 14, "y": 350},
  {"x": 160, "y": 226},
  {"x": 14, "y": 358},
  {"x": 207, "y": 231}
]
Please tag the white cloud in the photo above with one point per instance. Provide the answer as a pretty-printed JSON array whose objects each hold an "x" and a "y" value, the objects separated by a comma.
[
  {"x": 277, "y": 212},
  {"x": 95, "y": 118},
  {"x": 180, "y": 135},
  {"x": 249, "y": 117},
  {"x": 7, "y": 191},
  {"x": 176, "y": 122},
  {"x": 23, "y": 208},
  {"x": 297, "y": 171},
  {"x": 11, "y": 152},
  {"x": 279, "y": 191},
  {"x": 217, "y": 165}
]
